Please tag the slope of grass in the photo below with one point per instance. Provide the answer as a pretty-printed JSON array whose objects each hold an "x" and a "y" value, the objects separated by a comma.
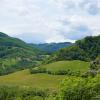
[
  {"x": 25, "y": 79},
  {"x": 74, "y": 65},
  {"x": 42, "y": 80}
]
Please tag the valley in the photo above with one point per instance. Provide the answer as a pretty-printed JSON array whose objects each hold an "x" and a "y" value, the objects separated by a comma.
[{"x": 28, "y": 72}]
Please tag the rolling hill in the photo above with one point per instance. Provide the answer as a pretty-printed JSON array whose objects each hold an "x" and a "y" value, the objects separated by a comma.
[
  {"x": 43, "y": 80},
  {"x": 75, "y": 65},
  {"x": 15, "y": 54},
  {"x": 25, "y": 79}
]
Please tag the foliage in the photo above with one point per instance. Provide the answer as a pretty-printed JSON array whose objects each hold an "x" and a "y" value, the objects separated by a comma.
[
  {"x": 86, "y": 49},
  {"x": 89, "y": 73},
  {"x": 16, "y": 93},
  {"x": 77, "y": 88},
  {"x": 16, "y": 55},
  {"x": 50, "y": 48},
  {"x": 73, "y": 68},
  {"x": 98, "y": 59},
  {"x": 59, "y": 72},
  {"x": 93, "y": 69},
  {"x": 38, "y": 70}
]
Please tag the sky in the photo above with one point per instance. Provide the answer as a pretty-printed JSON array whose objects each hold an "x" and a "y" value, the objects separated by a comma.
[{"x": 40, "y": 21}]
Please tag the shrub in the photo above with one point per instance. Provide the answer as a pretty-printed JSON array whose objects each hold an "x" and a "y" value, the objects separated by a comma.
[
  {"x": 59, "y": 72},
  {"x": 38, "y": 70},
  {"x": 16, "y": 93},
  {"x": 75, "y": 88},
  {"x": 89, "y": 73}
]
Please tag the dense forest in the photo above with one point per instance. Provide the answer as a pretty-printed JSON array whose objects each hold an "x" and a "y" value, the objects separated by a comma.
[{"x": 87, "y": 49}]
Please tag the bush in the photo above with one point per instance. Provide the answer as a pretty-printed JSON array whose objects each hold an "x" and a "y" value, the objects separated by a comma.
[
  {"x": 89, "y": 73},
  {"x": 37, "y": 70},
  {"x": 16, "y": 93},
  {"x": 75, "y": 88},
  {"x": 65, "y": 72},
  {"x": 59, "y": 72}
]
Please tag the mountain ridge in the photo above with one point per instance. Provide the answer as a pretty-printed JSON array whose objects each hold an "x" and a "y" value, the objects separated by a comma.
[
  {"x": 50, "y": 48},
  {"x": 15, "y": 54},
  {"x": 86, "y": 49}
]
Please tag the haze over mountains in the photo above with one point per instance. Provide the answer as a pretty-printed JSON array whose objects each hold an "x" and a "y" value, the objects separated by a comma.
[
  {"x": 15, "y": 54},
  {"x": 51, "y": 47}
]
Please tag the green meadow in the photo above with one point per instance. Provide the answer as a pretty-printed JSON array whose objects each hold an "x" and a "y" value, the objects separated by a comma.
[
  {"x": 25, "y": 79},
  {"x": 75, "y": 65},
  {"x": 42, "y": 80}
]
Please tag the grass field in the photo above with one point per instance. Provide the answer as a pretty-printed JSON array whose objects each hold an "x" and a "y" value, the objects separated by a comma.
[
  {"x": 74, "y": 65},
  {"x": 24, "y": 78}
]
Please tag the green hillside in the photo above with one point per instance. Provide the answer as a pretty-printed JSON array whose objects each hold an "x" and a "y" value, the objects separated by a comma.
[
  {"x": 72, "y": 68},
  {"x": 37, "y": 78},
  {"x": 6, "y": 40},
  {"x": 15, "y": 54},
  {"x": 86, "y": 49},
  {"x": 43, "y": 80},
  {"x": 74, "y": 65},
  {"x": 25, "y": 79}
]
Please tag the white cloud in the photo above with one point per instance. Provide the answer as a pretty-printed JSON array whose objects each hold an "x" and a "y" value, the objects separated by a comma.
[
  {"x": 50, "y": 20},
  {"x": 57, "y": 38}
]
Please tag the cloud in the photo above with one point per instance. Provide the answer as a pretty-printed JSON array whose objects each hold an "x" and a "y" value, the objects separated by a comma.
[{"x": 51, "y": 20}]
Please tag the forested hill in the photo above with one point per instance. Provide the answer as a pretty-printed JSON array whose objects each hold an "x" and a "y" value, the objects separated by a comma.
[
  {"x": 86, "y": 49},
  {"x": 15, "y": 54},
  {"x": 51, "y": 47},
  {"x": 3, "y": 35},
  {"x": 6, "y": 40}
]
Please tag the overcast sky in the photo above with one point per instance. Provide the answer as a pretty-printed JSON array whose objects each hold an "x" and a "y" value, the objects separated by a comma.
[{"x": 40, "y": 21}]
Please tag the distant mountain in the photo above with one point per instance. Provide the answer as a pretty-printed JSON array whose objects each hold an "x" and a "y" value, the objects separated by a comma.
[
  {"x": 51, "y": 47},
  {"x": 16, "y": 54},
  {"x": 86, "y": 49}
]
